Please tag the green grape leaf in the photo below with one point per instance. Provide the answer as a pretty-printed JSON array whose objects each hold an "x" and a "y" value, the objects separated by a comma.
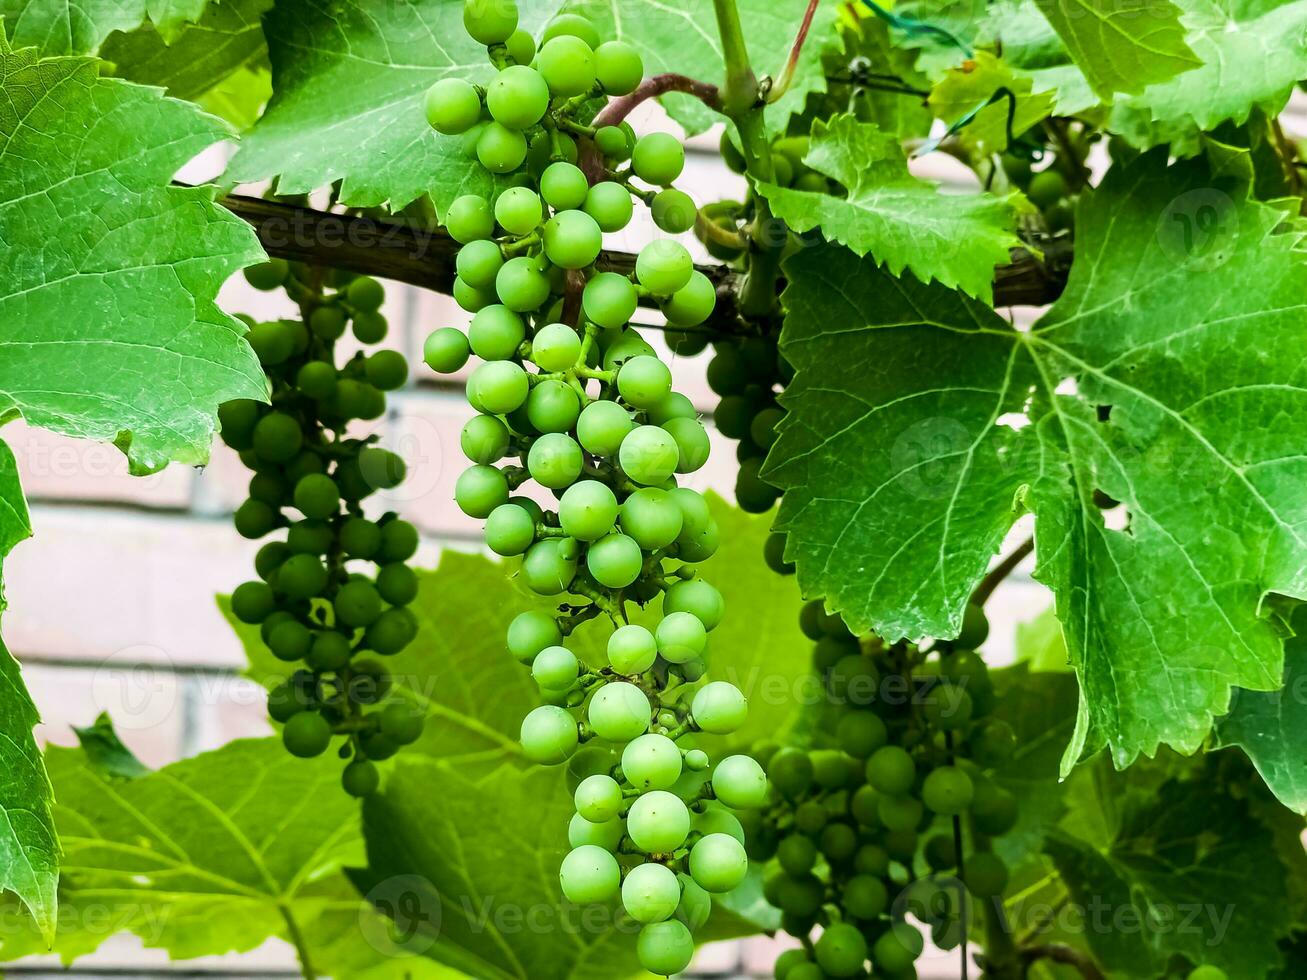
[
  {"x": 1270, "y": 727},
  {"x": 108, "y": 273},
  {"x": 1252, "y": 53},
  {"x": 1122, "y": 49},
  {"x": 227, "y": 37},
  {"x": 988, "y": 100},
  {"x": 1150, "y": 893},
  {"x": 1040, "y": 643},
  {"x": 209, "y": 855},
  {"x": 899, "y": 219},
  {"x": 105, "y": 752},
  {"x": 66, "y": 27},
  {"x": 921, "y": 425}
]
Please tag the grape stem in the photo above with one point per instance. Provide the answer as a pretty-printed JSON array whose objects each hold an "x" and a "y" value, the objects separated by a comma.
[
  {"x": 778, "y": 88},
  {"x": 707, "y": 228},
  {"x": 618, "y": 109},
  {"x": 296, "y": 938},
  {"x": 1001, "y": 571}
]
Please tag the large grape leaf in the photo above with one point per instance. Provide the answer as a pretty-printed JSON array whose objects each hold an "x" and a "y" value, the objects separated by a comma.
[
  {"x": 901, "y": 220},
  {"x": 1252, "y": 52},
  {"x": 1188, "y": 872},
  {"x": 1122, "y": 48},
  {"x": 990, "y": 102},
  {"x": 68, "y": 27},
  {"x": 108, "y": 274},
  {"x": 921, "y": 425}
]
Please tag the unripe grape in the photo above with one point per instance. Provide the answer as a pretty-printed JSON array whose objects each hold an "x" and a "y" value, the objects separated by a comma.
[
  {"x": 554, "y": 460},
  {"x": 530, "y": 632},
  {"x": 521, "y": 284},
  {"x": 718, "y": 863},
  {"x": 632, "y": 649},
  {"x": 692, "y": 443},
  {"x": 649, "y": 455},
  {"x": 618, "y": 67},
  {"x": 252, "y": 602},
  {"x": 365, "y": 294},
  {"x": 510, "y": 530},
  {"x": 644, "y": 381},
  {"x": 652, "y": 518},
  {"x": 609, "y": 203},
  {"x": 651, "y": 761},
  {"x": 490, "y": 21},
  {"x": 698, "y": 543},
  {"x": 517, "y": 97},
  {"x": 609, "y": 299},
  {"x": 498, "y": 387},
  {"x": 619, "y": 712},
  {"x": 567, "y": 64},
  {"x": 518, "y": 210},
  {"x": 268, "y": 275},
  {"x": 673, "y": 405},
  {"x": 901, "y": 813},
  {"x": 500, "y": 149},
  {"x": 841, "y": 950},
  {"x": 985, "y": 875},
  {"x": 891, "y": 770},
  {"x": 470, "y": 219},
  {"x": 382, "y": 469},
  {"x": 484, "y": 439},
  {"x": 658, "y": 822},
  {"x": 897, "y": 949},
  {"x": 601, "y": 427},
  {"x": 740, "y": 783},
  {"x": 399, "y": 541},
  {"x": 651, "y": 892},
  {"x": 452, "y": 106},
  {"x": 587, "y": 510},
  {"x": 681, "y": 637},
  {"x": 719, "y": 708},
  {"x": 563, "y": 186},
  {"x": 556, "y": 347},
  {"x": 277, "y": 437},
  {"x": 290, "y": 641},
  {"x": 613, "y": 142},
  {"x": 397, "y": 583},
  {"x": 479, "y": 490},
  {"x": 692, "y": 303},
  {"x": 673, "y": 211},
  {"x": 254, "y": 519},
  {"x": 577, "y": 25},
  {"x": 316, "y": 496},
  {"x": 664, "y": 266},
  {"x": 552, "y": 406},
  {"x": 302, "y": 576},
  {"x": 790, "y": 770},
  {"x": 572, "y": 239},
  {"x": 470, "y": 298},
  {"x": 658, "y": 158},
  {"x": 521, "y": 47},
  {"x": 606, "y": 834},
  {"x": 549, "y": 735},
  {"x": 993, "y": 810},
  {"x": 589, "y": 874},
  {"x": 360, "y": 538},
  {"x": 1207, "y": 973},
  {"x": 622, "y": 345},
  {"x": 696, "y": 760},
  {"x": 665, "y": 947},
  {"x": 555, "y": 668},
  {"x": 546, "y": 570},
  {"x": 306, "y": 735},
  {"x": 614, "y": 561},
  {"x": 598, "y": 798},
  {"x": 697, "y": 597},
  {"x": 861, "y": 733},
  {"x": 947, "y": 791}
]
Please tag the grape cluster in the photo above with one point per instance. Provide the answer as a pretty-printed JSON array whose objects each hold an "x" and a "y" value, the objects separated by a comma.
[
  {"x": 866, "y": 826},
  {"x": 570, "y": 392},
  {"x": 312, "y": 603}
]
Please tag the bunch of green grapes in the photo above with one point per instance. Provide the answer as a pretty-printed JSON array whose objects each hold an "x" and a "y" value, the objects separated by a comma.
[
  {"x": 570, "y": 398},
  {"x": 313, "y": 601},
  {"x": 866, "y": 826}
]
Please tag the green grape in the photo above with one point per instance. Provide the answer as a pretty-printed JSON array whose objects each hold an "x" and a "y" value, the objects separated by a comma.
[
  {"x": 268, "y": 275},
  {"x": 618, "y": 67},
  {"x": 753, "y": 494},
  {"x": 853, "y": 680},
  {"x": 649, "y": 455},
  {"x": 613, "y": 143},
  {"x": 601, "y": 427},
  {"x": 841, "y": 950},
  {"x": 277, "y": 437},
  {"x": 598, "y": 798},
  {"x": 896, "y": 950},
  {"x": 719, "y": 708},
  {"x": 401, "y": 723},
  {"x": 673, "y": 211},
  {"x": 328, "y": 322},
  {"x": 399, "y": 541},
  {"x": 696, "y": 760},
  {"x": 985, "y": 875},
  {"x": 801, "y": 895},
  {"x": 501, "y": 150},
  {"x": 567, "y": 64},
  {"x": 531, "y": 632},
  {"x": 554, "y": 460},
  {"x": 484, "y": 439},
  {"x": 271, "y": 343},
  {"x": 947, "y": 791},
  {"x": 370, "y": 328},
  {"x": 727, "y": 372},
  {"x": 1046, "y": 188},
  {"x": 871, "y": 859},
  {"x": 664, "y": 948},
  {"x": 479, "y": 490},
  {"x": 975, "y": 627},
  {"x": 587, "y": 510},
  {"x": 620, "y": 346},
  {"x": 698, "y": 543},
  {"x": 546, "y": 570},
  {"x": 237, "y": 420},
  {"x": 556, "y": 347},
  {"x": 392, "y": 631},
  {"x": 993, "y": 810},
  {"x": 470, "y": 219},
  {"x": 947, "y": 707},
  {"x": 316, "y": 496},
  {"x": 270, "y": 558},
  {"x": 290, "y": 641},
  {"x": 306, "y": 735},
  {"x": 254, "y": 519},
  {"x": 1207, "y": 973},
  {"x": 252, "y": 602},
  {"x": 697, "y": 597},
  {"x": 330, "y": 651},
  {"x": 865, "y": 897},
  {"x": 549, "y": 735},
  {"x": 608, "y": 299},
  {"x": 773, "y": 553},
  {"x": 762, "y": 430},
  {"x": 838, "y": 842},
  {"x": 891, "y": 770},
  {"x": 510, "y": 530},
  {"x": 788, "y": 962},
  {"x": 452, "y": 106},
  {"x": 651, "y": 761},
  {"x": 555, "y": 668},
  {"x": 357, "y": 603},
  {"x": 365, "y": 294},
  {"x": 696, "y": 904},
  {"x": 521, "y": 285},
  {"x": 478, "y": 262},
  {"x": 797, "y": 854},
  {"x": 517, "y": 97},
  {"x": 316, "y": 379},
  {"x": 490, "y": 21},
  {"x": 609, "y": 203},
  {"x": 740, "y": 783},
  {"x": 673, "y": 405},
  {"x": 658, "y": 158},
  {"x": 664, "y": 266},
  {"x": 302, "y": 576},
  {"x": 518, "y": 209},
  {"x": 552, "y": 406},
  {"x": 589, "y": 874},
  {"x": 469, "y": 298},
  {"x": 651, "y": 893},
  {"x": 681, "y": 637},
  {"x": 652, "y": 518},
  {"x": 992, "y": 744},
  {"x": 899, "y": 812},
  {"x": 619, "y": 712},
  {"x": 658, "y": 822},
  {"x": 563, "y": 186},
  {"x": 576, "y": 25},
  {"x": 572, "y": 239},
  {"x": 360, "y": 778},
  {"x": 607, "y": 834},
  {"x": 644, "y": 381},
  {"x": 861, "y": 733},
  {"x": 382, "y": 469},
  {"x": 521, "y": 47},
  {"x": 498, "y": 387},
  {"x": 692, "y": 443},
  {"x": 790, "y": 771},
  {"x": 632, "y": 649},
  {"x": 309, "y": 537}
]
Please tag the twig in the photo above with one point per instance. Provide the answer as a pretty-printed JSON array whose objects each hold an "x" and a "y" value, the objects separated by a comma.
[
  {"x": 1060, "y": 953},
  {"x": 781, "y": 85},
  {"x": 652, "y": 87},
  {"x": 1001, "y": 571}
]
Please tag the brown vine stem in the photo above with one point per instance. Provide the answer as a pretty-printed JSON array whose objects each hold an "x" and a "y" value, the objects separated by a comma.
[
  {"x": 651, "y": 88},
  {"x": 782, "y": 83},
  {"x": 1002, "y": 570},
  {"x": 1059, "y": 953}
]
